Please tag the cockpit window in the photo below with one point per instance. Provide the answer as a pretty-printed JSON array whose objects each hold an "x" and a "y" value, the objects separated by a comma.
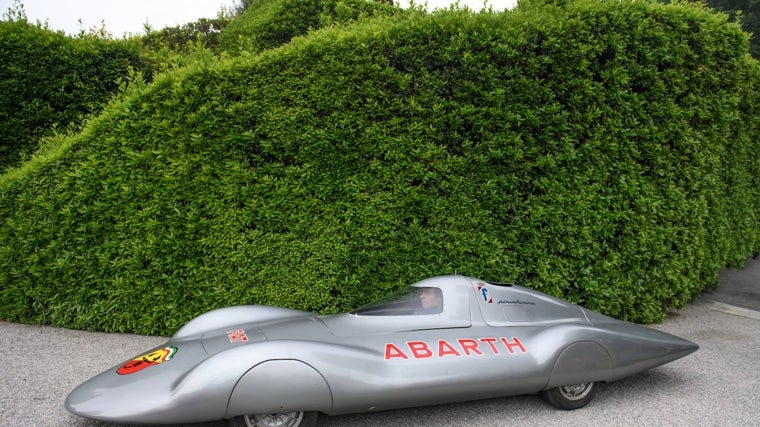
[{"x": 409, "y": 301}]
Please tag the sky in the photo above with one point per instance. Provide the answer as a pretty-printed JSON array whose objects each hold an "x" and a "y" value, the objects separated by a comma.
[
  {"x": 128, "y": 17},
  {"x": 119, "y": 16}
]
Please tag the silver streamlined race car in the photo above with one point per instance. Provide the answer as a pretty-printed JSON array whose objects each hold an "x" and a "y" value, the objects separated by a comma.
[{"x": 444, "y": 339}]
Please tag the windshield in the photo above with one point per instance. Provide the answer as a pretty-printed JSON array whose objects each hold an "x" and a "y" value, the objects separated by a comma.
[{"x": 410, "y": 301}]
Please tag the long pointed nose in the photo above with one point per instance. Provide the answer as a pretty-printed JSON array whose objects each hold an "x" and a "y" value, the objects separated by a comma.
[{"x": 644, "y": 348}]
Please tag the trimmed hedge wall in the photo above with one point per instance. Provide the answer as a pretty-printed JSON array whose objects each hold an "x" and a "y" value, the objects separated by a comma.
[
  {"x": 605, "y": 152},
  {"x": 49, "y": 80},
  {"x": 266, "y": 24}
]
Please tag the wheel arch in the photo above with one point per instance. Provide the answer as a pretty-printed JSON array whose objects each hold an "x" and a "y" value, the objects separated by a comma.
[
  {"x": 280, "y": 385},
  {"x": 582, "y": 362}
]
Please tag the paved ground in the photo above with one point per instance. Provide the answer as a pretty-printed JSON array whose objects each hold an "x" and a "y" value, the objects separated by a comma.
[
  {"x": 719, "y": 385},
  {"x": 740, "y": 288}
]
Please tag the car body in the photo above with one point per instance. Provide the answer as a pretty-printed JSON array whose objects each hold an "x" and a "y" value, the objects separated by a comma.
[{"x": 483, "y": 340}]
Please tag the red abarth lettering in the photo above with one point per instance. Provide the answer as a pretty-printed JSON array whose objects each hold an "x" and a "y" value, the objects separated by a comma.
[
  {"x": 515, "y": 343},
  {"x": 490, "y": 342},
  {"x": 391, "y": 352},
  {"x": 469, "y": 347},
  {"x": 445, "y": 349},
  {"x": 420, "y": 349}
]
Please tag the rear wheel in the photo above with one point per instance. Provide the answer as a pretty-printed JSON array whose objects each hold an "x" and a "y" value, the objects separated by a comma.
[
  {"x": 568, "y": 397},
  {"x": 285, "y": 419}
]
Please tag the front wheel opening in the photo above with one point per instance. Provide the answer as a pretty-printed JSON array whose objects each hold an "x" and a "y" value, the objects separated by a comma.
[
  {"x": 283, "y": 419},
  {"x": 572, "y": 396}
]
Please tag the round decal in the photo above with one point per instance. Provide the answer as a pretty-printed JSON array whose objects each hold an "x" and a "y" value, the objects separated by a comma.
[{"x": 141, "y": 362}]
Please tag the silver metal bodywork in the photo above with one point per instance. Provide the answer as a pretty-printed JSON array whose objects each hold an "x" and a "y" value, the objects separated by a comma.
[{"x": 488, "y": 340}]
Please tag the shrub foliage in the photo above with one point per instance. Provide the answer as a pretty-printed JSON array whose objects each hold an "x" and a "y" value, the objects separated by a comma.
[
  {"x": 605, "y": 152},
  {"x": 49, "y": 80},
  {"x": 266, "y": 24}
]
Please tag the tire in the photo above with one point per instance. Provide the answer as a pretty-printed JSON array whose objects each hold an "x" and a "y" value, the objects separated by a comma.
[
  {"x": 569, "y": 397},
  {"x": 285, "y": 419}
]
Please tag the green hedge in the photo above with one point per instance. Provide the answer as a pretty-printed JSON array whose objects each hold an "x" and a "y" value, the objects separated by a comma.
[
  {"x": 49, "y": 80},
  {"x": 605, "y": 152},
  {"x": 266, "y": 24}
]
